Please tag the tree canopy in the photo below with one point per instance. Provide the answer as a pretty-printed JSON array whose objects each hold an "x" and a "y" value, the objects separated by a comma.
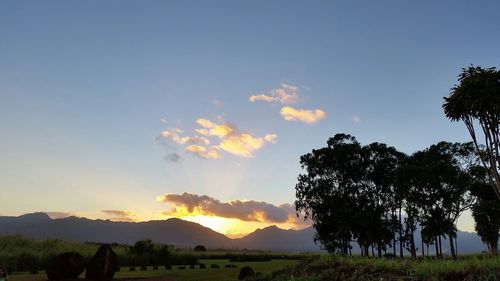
[
  {"x": 355, "y": 193},
  {"x": 476, "y": 102}
]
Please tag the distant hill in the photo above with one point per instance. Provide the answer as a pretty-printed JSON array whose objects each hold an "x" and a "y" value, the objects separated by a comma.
[
  {"x": 171, "y": 231},
  {"x": 182, "y": 233},
  {"x": 277, "y": 239}
]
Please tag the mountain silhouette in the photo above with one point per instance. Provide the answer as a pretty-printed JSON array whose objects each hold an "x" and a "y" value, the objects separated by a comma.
[
  {"x": 183, "y": 233},
  {"x": 277, "y": 239}
]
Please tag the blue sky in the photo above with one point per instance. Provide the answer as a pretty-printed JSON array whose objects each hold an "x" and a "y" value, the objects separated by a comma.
[{"x": 84, "y": 86}]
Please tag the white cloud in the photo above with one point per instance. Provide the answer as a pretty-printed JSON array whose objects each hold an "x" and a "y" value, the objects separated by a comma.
[
  {"x": 173, "y": 134},
  {"x": 270, "y": 138},
  {"x": 285, "y": 94},
  {"x": 203, "y": 152},
  {"x": 303, "y": 115},
  {"x": 356, "y": 119},
  {"x": 232, "y": 140}
]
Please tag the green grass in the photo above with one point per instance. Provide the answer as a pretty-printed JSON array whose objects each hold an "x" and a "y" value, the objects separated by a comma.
[
  {"x": 197, "y": 274},
  {"x": 475, "y": 267}
]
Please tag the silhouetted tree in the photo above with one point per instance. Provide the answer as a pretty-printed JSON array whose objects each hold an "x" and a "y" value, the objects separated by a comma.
[
  {"x": 438, "y": 180},
  {"x": 348, "y": 193},
  {"x": 476, "y": 101},
  {"x": 485, "y": 211},
  {"x": 200, "y": 248}
]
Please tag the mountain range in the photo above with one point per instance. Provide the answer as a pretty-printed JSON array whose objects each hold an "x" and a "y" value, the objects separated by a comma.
[{"x": 179, "y": 232}]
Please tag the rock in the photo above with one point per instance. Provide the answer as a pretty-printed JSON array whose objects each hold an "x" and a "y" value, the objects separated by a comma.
[
  {"x": 245, "y": 273},
  {"x": 65, "y": 266},
  {"x": 103, "y": 265}
]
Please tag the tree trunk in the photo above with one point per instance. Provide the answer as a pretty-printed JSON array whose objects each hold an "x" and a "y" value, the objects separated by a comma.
[
  {"x": 412, "y": 246},
  {"x": 400, "y": 235},
  {"x": 440, "y": 248},
  {"x": 437, "y": 246},
  {"x": 452, "y": 245},
  {"x": 423, "y": 250},
  {"x": 393, "y": 214},
  {"x": 494, "y": 248}
]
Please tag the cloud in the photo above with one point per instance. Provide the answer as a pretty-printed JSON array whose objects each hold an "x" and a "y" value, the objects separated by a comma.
[
  {"x": 173, "y": 134},
  {"x": 173, "y": 157},
  {"x": 58, "y": 215},
  {"x": 356, "y": 119},
  {"x": 232, "y": 140},
  {"x": 303, "y": 115},
  {"x": 271, "y": 138},
  {"x": 285, "y": 94},
  {"x": 203, "y": 152},
  {"x": 245, "y": 210},
  {"x": 120, "y": 215},
  {"x": 224, "y": 136}
]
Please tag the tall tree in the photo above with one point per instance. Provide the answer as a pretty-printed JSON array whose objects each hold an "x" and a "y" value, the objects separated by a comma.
[
  {"x": 325, "y": 192},
  {"x": 485, "y": 211},
  {"x": 438, "y": 181},
  {"x": 347, "y": 191},
  {"x": 476, "y": 101}
]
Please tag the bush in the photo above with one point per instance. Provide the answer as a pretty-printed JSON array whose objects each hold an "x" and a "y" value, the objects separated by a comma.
[
  {"x": 181, "y": 267},
  {"x": 168, "y": 267},
  {"x": 246, "y": 272},
  {"x": 144, "y": 268},
  {"x": 230, "y": 266},
  {"x": 155, "y": 267},
  {"x": 200, "y": 248},
  {"x": 191, "y": 266},
  {"x": 202, "y": 266},
  {"x": 214, "y": 266},
  {"x": 132, "y": 268}
]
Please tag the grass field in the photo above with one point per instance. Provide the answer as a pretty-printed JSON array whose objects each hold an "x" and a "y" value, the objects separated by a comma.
[{"x": 197, "y": 274}]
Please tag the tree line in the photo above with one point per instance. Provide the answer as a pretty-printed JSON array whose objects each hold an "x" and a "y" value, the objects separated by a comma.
[{"x": 377, "y": 196}]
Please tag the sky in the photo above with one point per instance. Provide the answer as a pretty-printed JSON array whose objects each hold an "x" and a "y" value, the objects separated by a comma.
[{"x": 140, "y": 110}]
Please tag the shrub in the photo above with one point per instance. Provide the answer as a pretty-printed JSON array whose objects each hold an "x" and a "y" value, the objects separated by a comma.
[
  {"x": 144, "y": 268},
  {"x": 246, "y": 272},
  {"x": 214, "y": 266},
  {"x": 132, "y": 268},
  {"x": 202, "y": 266},
  {"x": 200, "y": 248}
]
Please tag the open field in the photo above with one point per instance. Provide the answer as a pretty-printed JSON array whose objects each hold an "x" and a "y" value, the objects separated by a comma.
[{"x": 197, "y": 274}]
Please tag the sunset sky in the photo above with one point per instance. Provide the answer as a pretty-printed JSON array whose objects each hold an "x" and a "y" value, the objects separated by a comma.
[{"x": 140, "y": 110}]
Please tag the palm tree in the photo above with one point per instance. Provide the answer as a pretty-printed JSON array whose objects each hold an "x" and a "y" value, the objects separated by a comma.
[{"x": 476, "y": 101}]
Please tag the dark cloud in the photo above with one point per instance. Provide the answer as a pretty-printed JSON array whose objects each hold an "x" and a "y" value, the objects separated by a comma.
[
  {"x": 246, "y": 210},
  {"x": 173, "y": 157}
]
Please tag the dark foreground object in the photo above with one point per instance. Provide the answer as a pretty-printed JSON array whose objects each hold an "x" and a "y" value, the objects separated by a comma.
[
  {"x": 103, "y": 265},
  {"x": 65, "y": 266},
  {"x": 245, "y": 273}
]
